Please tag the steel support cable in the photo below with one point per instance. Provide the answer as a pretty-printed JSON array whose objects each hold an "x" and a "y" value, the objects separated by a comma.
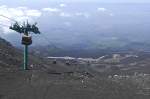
[
  {"x": 4, "y": 25},
  {"x": 46, "y": 39},
  {"x": 51, "y": 43},
  {"x": 8, "y": 18}
]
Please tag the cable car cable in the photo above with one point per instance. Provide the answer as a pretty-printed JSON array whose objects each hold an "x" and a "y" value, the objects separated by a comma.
[
  {"x": 8, "y": 18},
  {"x": 51, "y": 43}
]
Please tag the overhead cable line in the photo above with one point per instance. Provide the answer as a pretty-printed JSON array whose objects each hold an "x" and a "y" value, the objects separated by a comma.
[
  {"x": 8, "y": 18},
  {"x": 46, "y": 39}
]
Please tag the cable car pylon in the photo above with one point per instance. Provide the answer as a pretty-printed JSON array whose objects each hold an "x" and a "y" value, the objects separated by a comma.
[{"x": 25, "y": 29}]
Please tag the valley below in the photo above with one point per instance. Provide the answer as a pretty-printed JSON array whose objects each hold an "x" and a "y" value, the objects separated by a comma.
[
  {"x": 115, "y": 76},
  {"x": 110, "y": 76}
]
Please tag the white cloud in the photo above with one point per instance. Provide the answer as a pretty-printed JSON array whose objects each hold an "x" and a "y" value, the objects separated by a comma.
[
  {"x": 84, "y": 14},
  {"x": 20, "y": 19},
  {"x": 112, "y": 14},
  {"x": 64, "y": 14},
  {"x": 18, "y": 13},
  {"x": 62, "y": 5},
  {"x": 6, "y": 30},
  {"x": 34, "y": 13},
  {"x": 105, "y": 11},
  {"x": 102, "y": 9},
  {"x": 51, "y": 9},
  {"x": 22, "y": 8}
]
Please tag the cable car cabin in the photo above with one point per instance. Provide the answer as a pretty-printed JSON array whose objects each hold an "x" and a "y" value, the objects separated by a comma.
[{"x": 26, "y": 40}]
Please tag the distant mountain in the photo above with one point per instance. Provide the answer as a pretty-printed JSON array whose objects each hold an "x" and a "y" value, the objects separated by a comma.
[
  {"x": 90, "y": 24},
  {"x": 138, "y": 46},
  {"x": 89, "y": 29},
  {"x": 91, "y": 49}
]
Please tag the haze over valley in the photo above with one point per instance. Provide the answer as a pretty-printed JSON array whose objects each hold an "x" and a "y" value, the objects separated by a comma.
[{"x": 84, "y": 25}]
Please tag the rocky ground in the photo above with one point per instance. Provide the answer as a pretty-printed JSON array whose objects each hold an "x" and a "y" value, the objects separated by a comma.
[
  {"x": 75, "y": 83},
  {"x": 41, "y": 85}
]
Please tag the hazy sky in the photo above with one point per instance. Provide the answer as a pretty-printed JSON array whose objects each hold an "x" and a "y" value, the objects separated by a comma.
[
  {"x": 78, "y": 21},
  {"x": 103, "y": 0},
  {"x": 109, "y": 1}
]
